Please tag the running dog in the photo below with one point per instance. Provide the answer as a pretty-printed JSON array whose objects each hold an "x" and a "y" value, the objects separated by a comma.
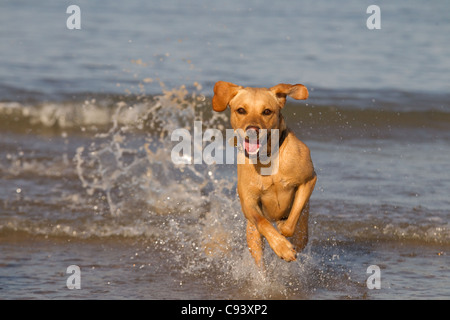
[{"x": 281, "y": 198}]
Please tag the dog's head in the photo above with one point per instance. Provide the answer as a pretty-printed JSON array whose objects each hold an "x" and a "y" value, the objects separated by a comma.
[{"x": 253, "y": 109}]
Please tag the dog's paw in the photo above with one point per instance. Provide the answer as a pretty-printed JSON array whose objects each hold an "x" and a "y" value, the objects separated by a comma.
[
  {"x": 284, "y": 249},
  {"x": 285, "y": 230}
]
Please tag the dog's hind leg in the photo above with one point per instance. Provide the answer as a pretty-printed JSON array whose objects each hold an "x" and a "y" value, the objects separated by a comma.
[{"x": 255, "y": 244}]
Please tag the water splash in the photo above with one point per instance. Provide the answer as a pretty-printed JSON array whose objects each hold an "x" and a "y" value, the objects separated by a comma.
[{"x": 191, "y": 213}]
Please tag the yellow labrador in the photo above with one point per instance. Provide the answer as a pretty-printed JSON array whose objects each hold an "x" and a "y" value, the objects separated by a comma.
[{"x": 281, "y": 197}]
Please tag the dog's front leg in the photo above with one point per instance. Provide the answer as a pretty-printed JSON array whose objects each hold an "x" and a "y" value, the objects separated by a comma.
[
  {"x": 297, "y": 222},
  {"x": 280, "y": 245}
]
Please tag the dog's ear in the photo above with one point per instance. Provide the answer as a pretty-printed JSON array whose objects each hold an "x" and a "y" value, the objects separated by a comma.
[
  {"x": 223, "y": 93},
  {"x": 295, "y": 91}
]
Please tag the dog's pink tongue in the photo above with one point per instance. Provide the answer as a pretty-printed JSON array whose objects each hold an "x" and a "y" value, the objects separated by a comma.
[{"x": 251, "y": 147}]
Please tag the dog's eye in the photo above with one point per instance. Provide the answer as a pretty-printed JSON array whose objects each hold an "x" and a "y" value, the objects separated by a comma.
[
  {"x": 241, "y": 111},
  {"x": 267, "y": 112}
]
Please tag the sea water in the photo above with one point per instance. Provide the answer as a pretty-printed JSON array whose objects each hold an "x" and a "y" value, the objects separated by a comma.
[{"x": 85, "y": 151}]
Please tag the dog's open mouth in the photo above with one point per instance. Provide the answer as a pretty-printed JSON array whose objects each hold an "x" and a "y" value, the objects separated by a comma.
[
  {"x": 251, "y": 141},
  {"x": 251, "y": 146}
]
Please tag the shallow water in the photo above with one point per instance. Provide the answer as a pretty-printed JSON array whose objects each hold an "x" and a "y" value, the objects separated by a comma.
[
  {"x": 109, "y": 199},
  {"x": 87, "y": 177}
]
